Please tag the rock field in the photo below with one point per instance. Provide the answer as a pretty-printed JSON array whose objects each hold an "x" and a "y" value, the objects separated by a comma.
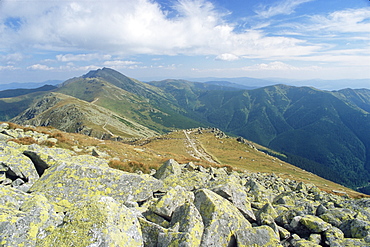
[{"x": 54, "y": 197}]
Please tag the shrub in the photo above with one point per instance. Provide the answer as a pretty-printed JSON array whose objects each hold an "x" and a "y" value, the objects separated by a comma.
[{"x": 24, "y": 140}]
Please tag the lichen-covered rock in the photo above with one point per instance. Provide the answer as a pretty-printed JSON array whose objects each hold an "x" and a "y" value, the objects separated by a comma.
[
  {"x": 336, "y": 216},
  {"x": 314, "y": 224},
  {"x": 236, "y": 194},
  {"x": 189, "y": 224},
  {"x": 257, "y": 236},
  {"x": 170, "y": 167},
  {"x": 220, "y": 217},
  {"x": 69, "y": 182},
  {"x": 355, "y": 228},
  {"x": 333, "y": 236},
  {"x": 173, "y": 199},
  {"x": 189, "y": 180},
  {"x": 18, "y": 166},
  {"x": 151, "y": 232},
  {"x": 44, "y": 157},
  {"x": 34, "y": 220},
  {"x": 100, "y": 221},
  {"x": 11, "y": 197}
]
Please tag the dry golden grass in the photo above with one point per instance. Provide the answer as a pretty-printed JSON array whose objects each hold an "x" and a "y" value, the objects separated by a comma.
[
  {"x": 151, "y": 153},
  {"x": 24, "y": 140}
]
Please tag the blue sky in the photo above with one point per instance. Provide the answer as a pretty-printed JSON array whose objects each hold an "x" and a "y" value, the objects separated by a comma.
[{"x": 157, "y": 39}]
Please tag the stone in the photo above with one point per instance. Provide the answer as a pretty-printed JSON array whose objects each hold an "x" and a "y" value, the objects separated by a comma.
[
  {"x": 69, "y": 182},
  {"x": 189, "y": 180},
  {"x": 355, "y": 228},
  {"x": 236, "y": 194},
  {"x": 31, "y": 222},
  {"x": 173, "y": 199},
  {"x": 314, "y": 224},
  {"x": 100, "y": 221},
  {"x": 18, "y": 166},
  {"x": 170, "y": 167},
  {"x": 336, "y": 216},
  {"x": 333, "y": 235},
  {"x": 188, "y": 228},
  {"x": 151, "y": 232},
  {"x": 221, "y": 218},
  {"x": 257, "y": 236}
]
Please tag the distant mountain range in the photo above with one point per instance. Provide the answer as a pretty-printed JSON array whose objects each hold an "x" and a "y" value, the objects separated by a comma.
[
  {"x": 325, "y": 132},
  {"x": 28, "y": 85}
]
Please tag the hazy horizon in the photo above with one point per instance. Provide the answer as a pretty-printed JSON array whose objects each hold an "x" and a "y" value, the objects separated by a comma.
[{"x": 293, "y": 39}]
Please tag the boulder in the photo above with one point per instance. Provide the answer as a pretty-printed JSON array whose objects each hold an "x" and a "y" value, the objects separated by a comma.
[
  {"x": 173, "y": 199},
  {"x": 257, "y": 236},
  {"x": 32, "y": 221},
  {"x": 220, "y": 217},
  {"x": 170, "y": 167},
  {"x": 186, "y": 228},
  {"x": 100, "y": 221},
  {"x": 69, "y": 182},
  {"x": 236, "y": 194},
  {"x": 17, "y": 166},
  {"x": 355, "y": 228}
]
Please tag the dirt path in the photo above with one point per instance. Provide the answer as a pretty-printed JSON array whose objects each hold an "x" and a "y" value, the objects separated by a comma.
[
  {"x": 107, "y": 130},
  {"x": 198, "y": 151},
  {"x": 93, "y": 102}
]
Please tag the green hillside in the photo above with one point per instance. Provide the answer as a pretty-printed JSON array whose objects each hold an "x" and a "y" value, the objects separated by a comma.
[
  {"x": 327, "y": 129},
  {"x": 320, "y": 131}
]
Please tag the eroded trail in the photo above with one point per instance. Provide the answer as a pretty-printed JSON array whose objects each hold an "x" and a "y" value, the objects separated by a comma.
[{"x": 197, "y": 151}]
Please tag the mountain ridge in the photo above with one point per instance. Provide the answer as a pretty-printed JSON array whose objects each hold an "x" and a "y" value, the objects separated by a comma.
[{"x": 306, "y": 124}]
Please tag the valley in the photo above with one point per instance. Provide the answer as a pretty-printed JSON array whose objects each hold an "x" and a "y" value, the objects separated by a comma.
[{"x": 323, "y": 132}]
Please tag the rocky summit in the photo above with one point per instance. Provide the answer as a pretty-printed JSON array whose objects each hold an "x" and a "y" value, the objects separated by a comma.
[{"x": 54, "y": 197}]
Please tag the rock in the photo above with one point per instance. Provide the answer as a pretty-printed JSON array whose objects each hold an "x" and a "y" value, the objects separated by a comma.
[
  {"x": 173, "y": 199},
  {"x": 257, "y": 236},
  {"x": 188, "y": 224},
  {"x": 69, "y": 182},
  {"x": 151, "y": 232},
  {"x": 355, "y": 228},
  {"x": 31, "y": 222},
  {"x": 17, "y": 166},
  {"x": 332, "y": 236},
  {"x": 336, "y": 216},
  {"x": 189, "y": 180},
  {"x": 170, "y": 167},
  {"x": 100, "y": 221},
  {"x": 236, "y": 194},
  {"x": 314, "y": 224},
  {"x": 43, "y": 157},
  {"x": 221, "y": 218}
]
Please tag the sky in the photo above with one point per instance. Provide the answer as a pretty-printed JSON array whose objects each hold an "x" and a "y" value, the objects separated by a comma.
[{"x": 155, "y": 39}]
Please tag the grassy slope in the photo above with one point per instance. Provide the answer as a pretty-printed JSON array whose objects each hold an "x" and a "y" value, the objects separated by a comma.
[
  {"x": 151, "y": 153},
  {"x": 327, "y": 128}
]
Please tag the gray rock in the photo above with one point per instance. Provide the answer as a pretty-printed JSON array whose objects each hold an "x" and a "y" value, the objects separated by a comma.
[
  {"x": 100, "y": 221},
  {"x": 173, "y": 199},
  {"x": 168, "y": 168},
  {"x": 221, "y": 218},
  {"x": 69, "y": 182}
]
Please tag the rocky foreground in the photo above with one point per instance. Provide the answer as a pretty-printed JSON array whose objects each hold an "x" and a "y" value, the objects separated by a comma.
[{"x": 53, "y": 197}]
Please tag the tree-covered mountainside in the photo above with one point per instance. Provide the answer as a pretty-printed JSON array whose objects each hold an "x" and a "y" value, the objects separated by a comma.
[
  {"x": 326, "y": 128},
  {"x": 321, "y": 131}
]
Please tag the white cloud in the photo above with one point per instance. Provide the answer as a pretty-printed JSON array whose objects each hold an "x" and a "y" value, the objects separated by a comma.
[
  {"x": 116, "y": 63},
  {"x": 11, "y": 58},
  {"x": 227, "y": 57},
  {"x": 277, "y": 66},
  {"x": 284, "y": 7},
  {"x": 82, "y": 57},
  {"x": 345, "y": 21},
  {"x": 136, "y": 27},
  {"x": 39, "y": 67},
  {"x": 9, "y": 67}
]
